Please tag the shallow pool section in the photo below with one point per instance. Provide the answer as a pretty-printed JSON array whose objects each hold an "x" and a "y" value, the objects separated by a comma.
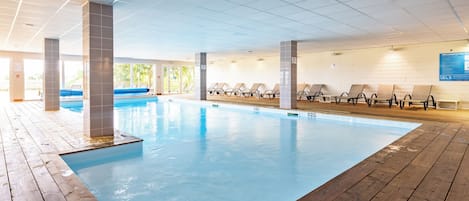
[{"x": 194, "y": 152}]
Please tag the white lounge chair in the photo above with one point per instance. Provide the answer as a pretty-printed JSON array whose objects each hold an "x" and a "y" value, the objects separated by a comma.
[
  {"x": 275, "y": 92},
  {"x": 255, "y": 90},
  {"x": 236, "y": 90},
  {"x": 302, "y": 91},
  {"x": 385, "y": 94},
  {"x": 421, "y": 94},
  {"x": 315, "y": 91},
  {"x": 355, "y": 93}
]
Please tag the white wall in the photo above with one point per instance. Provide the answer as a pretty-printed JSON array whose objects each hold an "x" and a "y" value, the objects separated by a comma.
[{"x": 409, "y": 65}]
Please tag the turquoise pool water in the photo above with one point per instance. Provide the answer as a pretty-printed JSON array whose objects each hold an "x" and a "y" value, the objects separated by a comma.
[{"x": 204, "y": 153}]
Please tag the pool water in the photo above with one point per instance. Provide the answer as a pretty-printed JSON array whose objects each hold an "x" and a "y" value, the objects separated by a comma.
[{"x": 194, "y": 152}]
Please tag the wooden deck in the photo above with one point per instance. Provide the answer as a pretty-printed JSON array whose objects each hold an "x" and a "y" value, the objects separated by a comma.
[
  {"x": 30, "y": 141},
  {"x": 430, "y": 163}
]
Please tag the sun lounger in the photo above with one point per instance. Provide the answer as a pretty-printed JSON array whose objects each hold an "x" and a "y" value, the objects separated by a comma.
[
  {"x": 315, "y": 91},
  {"x": 220, "y": 88},
  {"x": 275, "y": 92},
  {"x": 253, "y": 91},
  {"x": 211, "y": 88},
  {"x": 236, "y": 90},
  {"x": 355, "y": 93},
  {"x": 302, "y": 91},
  {"x": 385, "y": 94},
  {"x": 421, "y": 94}
]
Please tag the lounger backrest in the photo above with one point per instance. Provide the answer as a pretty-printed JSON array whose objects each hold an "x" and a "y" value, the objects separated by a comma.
[
  {"x": 213, "y": 85},
  {"x": 276, "y": 88},
  {"x": 254, "y": 87},
  {"x": 316, "y": 88},
  {"x": 385, "y": 91},
  {"x": 355, "y": 90},
  {"x": 421, "y": 92},
  {"x": 238, "y": 86},
  {"x": 221, "y": 85}
]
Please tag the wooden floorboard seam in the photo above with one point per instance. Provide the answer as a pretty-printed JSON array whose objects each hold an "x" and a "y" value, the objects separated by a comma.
[
  {"x": 436, "y": 189},
  {"x": 459, "y": 168},
  {"x": 16, "y": 129},
  {"x": 344, "y": 196}
]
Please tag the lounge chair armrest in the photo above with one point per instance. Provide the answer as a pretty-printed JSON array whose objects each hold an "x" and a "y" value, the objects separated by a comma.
[
  {"x": 374, "y": 95},
  {"x": 344, "y": 94}
]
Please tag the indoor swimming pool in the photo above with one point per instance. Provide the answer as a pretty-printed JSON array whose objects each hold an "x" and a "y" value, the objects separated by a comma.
[{"x": 194, "y": 151}]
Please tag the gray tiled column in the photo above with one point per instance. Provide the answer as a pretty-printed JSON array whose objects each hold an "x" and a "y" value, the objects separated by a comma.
[
  {"x": 288, "y": 59},
  {"x": 200, "y": 86},
  {"x": 51, "y": 74},
  {"x": 98, "y": 96}
]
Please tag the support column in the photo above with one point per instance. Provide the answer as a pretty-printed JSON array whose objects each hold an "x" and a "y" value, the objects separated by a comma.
[
  {"x": 158, "y": 77},
  {"x": 16, "y": 79},
  {"x": 98, "y": 92},
  {"x": 200, "y": 68},
  {"x": 51, "y": 74},
  {"x": 288, "y": 60}
]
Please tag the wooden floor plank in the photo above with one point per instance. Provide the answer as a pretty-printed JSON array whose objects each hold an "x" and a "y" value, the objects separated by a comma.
[
  {"x": 4, "y": 181},
  {"x": 44, "y": 124},
  {"x": 404, "y": 184},
  {"x": 373, "y": 183},
  {"x": 437, "y": 182},
  {"x": 460, "y": 185},
  {"x": 23, "y": 185},
  {"x": 31, "y": 150}
]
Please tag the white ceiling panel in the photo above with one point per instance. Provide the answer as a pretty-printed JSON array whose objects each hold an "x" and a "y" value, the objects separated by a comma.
[{"x": 161, "y": 29}]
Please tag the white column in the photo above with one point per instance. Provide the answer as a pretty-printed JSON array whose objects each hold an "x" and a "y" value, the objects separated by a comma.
[
  {"x": 16, "y": 79},
  {"x": 159, "y": 80}
]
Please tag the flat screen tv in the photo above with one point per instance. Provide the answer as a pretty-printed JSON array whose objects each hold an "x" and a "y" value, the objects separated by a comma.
[{"x": 454, "y": 66}]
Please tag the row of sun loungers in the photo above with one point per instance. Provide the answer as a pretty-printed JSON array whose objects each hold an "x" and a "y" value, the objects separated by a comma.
[
  {"x": 421, "y": 94},
  {"x": 304, "y": 91}
]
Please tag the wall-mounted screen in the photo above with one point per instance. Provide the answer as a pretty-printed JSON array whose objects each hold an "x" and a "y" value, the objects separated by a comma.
[{"x": 454, "y": 66}]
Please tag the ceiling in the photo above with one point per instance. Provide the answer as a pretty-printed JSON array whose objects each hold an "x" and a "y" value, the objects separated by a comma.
[{"x": 176, "y": 29}]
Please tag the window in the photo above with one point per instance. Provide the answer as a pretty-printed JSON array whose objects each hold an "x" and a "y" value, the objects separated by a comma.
[
  {"x": 4, "y": 79},
  {"x": 33, "y": 75}
]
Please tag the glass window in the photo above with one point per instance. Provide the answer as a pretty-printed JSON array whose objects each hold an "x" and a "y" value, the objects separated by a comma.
[
  {"x": 33, "y": 75},
  {"x": 72, "y": 75},
  {"x": 4, "y": 79}
]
